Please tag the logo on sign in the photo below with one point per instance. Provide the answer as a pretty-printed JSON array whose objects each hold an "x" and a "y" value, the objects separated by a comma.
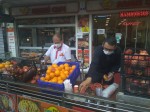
[{"x": 52, "y": 109}]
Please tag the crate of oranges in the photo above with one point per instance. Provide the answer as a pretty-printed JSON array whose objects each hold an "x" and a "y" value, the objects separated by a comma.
[{"x": 56, "y": 74}]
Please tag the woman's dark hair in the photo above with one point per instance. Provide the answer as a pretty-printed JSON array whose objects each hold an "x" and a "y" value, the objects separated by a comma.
[{"x": 111, "y": 41}]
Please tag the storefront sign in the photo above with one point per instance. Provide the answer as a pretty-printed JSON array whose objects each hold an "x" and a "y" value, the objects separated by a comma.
[
  {"x": 134, "y": 14},
  {"x": 131, "y": 23},
  {"x": 72, "y": 7}
]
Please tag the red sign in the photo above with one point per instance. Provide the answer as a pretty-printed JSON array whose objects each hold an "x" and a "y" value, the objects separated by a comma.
[
  {"x": 134, "y": 14},
  {"x": 130, "y": 23}
]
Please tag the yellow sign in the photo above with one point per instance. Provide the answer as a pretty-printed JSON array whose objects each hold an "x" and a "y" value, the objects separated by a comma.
[{"x": 52, "y": 109}]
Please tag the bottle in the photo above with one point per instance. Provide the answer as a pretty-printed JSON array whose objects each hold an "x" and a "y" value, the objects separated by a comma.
[{"x": 109, "y": 90}]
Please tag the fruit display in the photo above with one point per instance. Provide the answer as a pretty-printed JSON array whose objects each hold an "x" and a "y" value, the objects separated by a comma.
[
  {"x": 11, "y": 70},
  {"x": 5, "y": 65},
  {"x": 136, "y": 73},
  {"x": 58, "y": 73},
  {"x": 136, "y": 63}
]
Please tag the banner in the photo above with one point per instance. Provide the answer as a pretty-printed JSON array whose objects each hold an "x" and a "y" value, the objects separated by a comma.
[{"x": 7, "y": 102}]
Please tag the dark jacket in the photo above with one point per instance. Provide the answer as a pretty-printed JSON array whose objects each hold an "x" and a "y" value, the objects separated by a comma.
[{"x": 103, "y": 64}]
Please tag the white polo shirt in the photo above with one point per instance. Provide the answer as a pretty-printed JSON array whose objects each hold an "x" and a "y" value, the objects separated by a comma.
[{"x": 59, "y": 55}]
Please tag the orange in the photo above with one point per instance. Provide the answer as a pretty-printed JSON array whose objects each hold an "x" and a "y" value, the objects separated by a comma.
[
  {"x": 54, "y": 65},
  {"x": 47, "y": 77},
  {"x": 61, "y": 66},
  {"x": 48, "y": 71},
  {"x": 57, "y": 73},
  {"x": 52, "y": 75},
  {"x": 2, "y": 65},
  {"x": 73, "y": 67},
  {"x": 71, "y": 71},
  {"x": 59, "y": 78},
  {"x": 67, "y": 68},
  {"x": 66, "y": 73},
  {"x": 63, "y": 76},
  {"x": 54, "y": 80},
  {"x": 42, "y": 79},
  {"x": 66, "y": 65},
  {"x": 60, "y": 81}
]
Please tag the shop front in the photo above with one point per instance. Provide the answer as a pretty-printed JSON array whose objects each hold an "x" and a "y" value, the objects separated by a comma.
[{"x": 83, "y": 26}]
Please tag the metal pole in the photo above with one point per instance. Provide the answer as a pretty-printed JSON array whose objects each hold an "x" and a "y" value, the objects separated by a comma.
[
  {"x": 146, "y": 36},
  {"x": 125, "y": 39},
  {"x": 135, "y": 46}
]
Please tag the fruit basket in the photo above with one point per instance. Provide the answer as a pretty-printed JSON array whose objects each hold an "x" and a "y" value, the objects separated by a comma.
[
  {"x": 18, "y": 69},
  {"x": 48, "y": 80},
  {"x": 135, "y": 72},
  {"x": 136, "y": 63},
  {"x": 136, "y": 86}
]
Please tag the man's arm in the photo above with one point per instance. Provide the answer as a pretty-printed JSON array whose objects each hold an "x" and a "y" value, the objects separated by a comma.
[
  {"x": 47, "y": 55},
  {"x": 94, "y": 66},
  {"x": 68, "y": 55}
]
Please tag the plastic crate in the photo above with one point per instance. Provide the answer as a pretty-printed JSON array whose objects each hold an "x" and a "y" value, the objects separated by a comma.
[
  {"x": 73, "y": 77},
  {"x": 136, "y": 86}
]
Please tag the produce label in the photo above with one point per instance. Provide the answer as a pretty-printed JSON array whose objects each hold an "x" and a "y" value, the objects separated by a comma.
[
  {"x": 28, "y": 105},
  {"x": 7, "y": 102},
  {"x": 52, "y": 108}
]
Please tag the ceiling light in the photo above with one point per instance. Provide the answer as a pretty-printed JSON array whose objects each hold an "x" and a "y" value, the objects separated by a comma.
[
  {"x": 108, "y": 18},
  {"x": 107, "y": 21},
  {"x": 95, "y": 19},
  {"x": 106, "y": 24}
]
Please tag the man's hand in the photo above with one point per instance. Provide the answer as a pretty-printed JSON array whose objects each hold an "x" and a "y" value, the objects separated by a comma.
[{"x": 84, "y": 85}]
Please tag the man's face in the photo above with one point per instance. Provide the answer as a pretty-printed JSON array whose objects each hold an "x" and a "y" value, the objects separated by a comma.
[
  {"x": 108, "y": 47},
  {"x": 56, "y": 40}
]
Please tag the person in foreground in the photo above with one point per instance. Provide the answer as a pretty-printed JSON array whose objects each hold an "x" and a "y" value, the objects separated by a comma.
[
  {"x": 59, "y": 52},
  {"x": 106, "y": 61}
]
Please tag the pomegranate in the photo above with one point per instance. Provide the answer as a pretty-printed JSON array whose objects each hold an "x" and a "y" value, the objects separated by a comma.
[
  {"x": 129, "y": 71},
  {"x": 128, "y": 51}
]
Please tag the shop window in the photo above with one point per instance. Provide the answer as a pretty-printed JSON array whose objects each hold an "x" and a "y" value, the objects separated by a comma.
[
  {"x": 25, "y": 37},
  {"x": 44, "y": 36},
  {"x": 133, "y": 30}
]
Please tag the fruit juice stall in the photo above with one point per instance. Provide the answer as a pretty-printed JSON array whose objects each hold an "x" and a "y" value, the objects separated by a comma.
[{"x": 57, "y": 84}]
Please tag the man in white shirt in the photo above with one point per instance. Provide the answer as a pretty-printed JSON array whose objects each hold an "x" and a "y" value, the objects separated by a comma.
[{"x": 59, "y": 52}]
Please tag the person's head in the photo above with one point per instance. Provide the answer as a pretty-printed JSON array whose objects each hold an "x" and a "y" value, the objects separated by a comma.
[
  {"x": 57, "y": 40},
  {"x": 109, "y": 45}
]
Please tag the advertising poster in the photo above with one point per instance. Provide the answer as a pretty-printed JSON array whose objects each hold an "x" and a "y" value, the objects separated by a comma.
[
  {"x": 83, "y": 23},
  {"x": 11, "y": 39},
  {"x": 7, "y": 102},
  {"x": 25, "y": 104},
  {"x": 46, "y": 107},
  {"x": 83, "y": 44}
]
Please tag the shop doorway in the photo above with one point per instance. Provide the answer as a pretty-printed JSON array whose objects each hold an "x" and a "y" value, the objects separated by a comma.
[{"x": 134, "y": 31}]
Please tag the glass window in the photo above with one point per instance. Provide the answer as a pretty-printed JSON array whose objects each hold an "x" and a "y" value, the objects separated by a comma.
[
  {"x": 44, "y": 36},
  {"x": 134, "y": 30},
  {"x": 25, "y": 37}
]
